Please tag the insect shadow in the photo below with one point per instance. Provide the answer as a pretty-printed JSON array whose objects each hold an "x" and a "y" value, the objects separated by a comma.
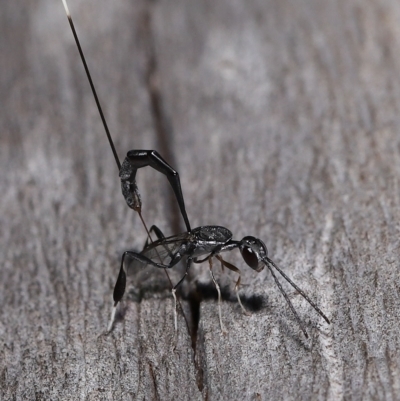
[{"x": 204, "y": 291}]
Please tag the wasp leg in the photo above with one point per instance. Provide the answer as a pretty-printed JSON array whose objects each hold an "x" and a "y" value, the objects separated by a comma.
[
  {"x": 188, "y": 264},
  {"x": 120, "y": 285},
  {"x": 224, "y": 331},
  {"x": 230, "y": 266},
  {"x": 159, "y": 234}
]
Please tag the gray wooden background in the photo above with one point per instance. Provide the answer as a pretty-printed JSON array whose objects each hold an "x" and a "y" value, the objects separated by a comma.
[{"x": 282, "y": 117}]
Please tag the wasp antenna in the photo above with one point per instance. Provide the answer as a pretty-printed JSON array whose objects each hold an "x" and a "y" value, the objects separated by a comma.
[
  {"x": 91, "y": 84},
  {"x": 287, "y": 300},
  {"x": 298, "y": 289}
]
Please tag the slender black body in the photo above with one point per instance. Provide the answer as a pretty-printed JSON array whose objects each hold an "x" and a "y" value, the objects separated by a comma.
[
  {"x": 136, "y": 159},
  {"x": 207, "y": 241}
]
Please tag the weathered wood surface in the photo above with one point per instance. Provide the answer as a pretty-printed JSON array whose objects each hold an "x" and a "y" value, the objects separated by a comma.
[{"x": 282, "y": 118}]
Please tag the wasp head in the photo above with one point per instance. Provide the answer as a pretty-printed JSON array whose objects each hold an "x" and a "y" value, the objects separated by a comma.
[{"x": 253, "y": 251}]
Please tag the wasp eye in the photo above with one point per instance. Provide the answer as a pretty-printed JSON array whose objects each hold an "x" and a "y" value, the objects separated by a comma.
[{"x": 250, "y": 257}]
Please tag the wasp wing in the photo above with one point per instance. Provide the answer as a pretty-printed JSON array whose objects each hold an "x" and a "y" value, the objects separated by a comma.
[{"x": 162, "y": 250}]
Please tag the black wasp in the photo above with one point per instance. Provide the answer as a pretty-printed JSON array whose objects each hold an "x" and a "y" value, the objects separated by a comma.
[{"x": 206, "y": 241}]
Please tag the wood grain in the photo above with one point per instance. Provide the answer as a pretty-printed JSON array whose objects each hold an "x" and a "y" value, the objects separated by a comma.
[{"x": 282, "y": 119}]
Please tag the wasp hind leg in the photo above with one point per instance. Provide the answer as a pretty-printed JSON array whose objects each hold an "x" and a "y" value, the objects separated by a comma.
[{"x": 120, "y": 285}]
